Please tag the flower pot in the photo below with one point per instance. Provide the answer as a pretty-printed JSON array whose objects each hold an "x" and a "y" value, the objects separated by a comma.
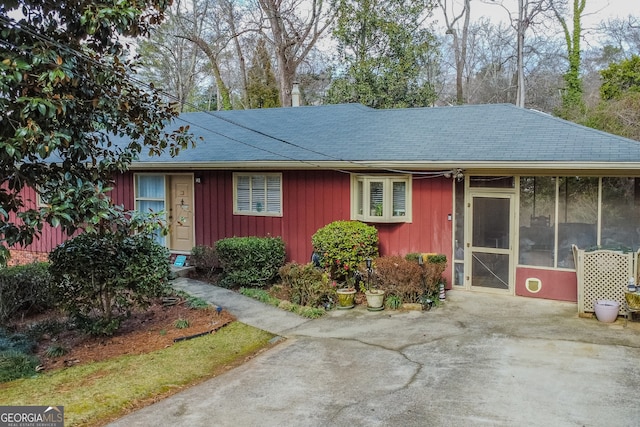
[
  {"x": 375, "y": 299},
  {"x": 346, "y": 298},
  {"x": 606, "y": 310}
]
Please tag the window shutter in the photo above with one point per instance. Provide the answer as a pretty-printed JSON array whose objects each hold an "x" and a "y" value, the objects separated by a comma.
[
  {"x": 376, "y": 197},
  {"x": 273, "y": 194},
  {"x": 243, "y": 194},
  {"x": 258, "y": 193}
]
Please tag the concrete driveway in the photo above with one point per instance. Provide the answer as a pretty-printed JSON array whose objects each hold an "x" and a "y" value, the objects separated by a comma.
[{"x": 480, "y": 359}]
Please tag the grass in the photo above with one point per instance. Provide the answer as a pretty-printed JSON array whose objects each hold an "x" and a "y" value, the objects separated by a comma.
[
  {"x": 264, "y": 297},
  {"x": 124, "y": 384}
]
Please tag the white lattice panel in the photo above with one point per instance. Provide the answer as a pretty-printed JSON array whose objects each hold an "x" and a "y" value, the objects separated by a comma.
[{"x": 602, "y": 274}]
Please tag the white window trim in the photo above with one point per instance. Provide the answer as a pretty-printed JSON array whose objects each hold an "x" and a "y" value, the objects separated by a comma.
[
  {"x": 387, "y": 201},
  {"x": 236, "y": 211}
]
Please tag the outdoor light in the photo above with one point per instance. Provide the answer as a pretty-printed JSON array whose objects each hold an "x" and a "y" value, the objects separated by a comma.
[{"x": 368, "y": 261}]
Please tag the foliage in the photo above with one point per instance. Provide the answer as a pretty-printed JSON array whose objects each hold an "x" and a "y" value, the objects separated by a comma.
[
  {"x": 100, "y": 275},
  {"x": 181, "y": 323},
  {"x": 343, "y": 245},
  {"x": 621, "y": 78},
  {"x": 619, "y": 116},
  {"x": 309, "y": 285},
  {"x": 384, "y": 53},
  {"x": 24, "y": 288},
  {"x": 262, "y": 89},
  {"x": 393, "y": 302},
  {"x": 204, "y": 259},
  {"x": 16, "y": 360},
  {"x": 261, "y": 295},
  {"x": 572, "y": 97},
  {"x": 196, "y": 303},
  {"x": 66, "y": 92},
  {"x": 264, "y": 296},
  {"x": 15, "y": 364},
  {"x": 250, "y": 261},
  {"x": 407, "y": 279}
]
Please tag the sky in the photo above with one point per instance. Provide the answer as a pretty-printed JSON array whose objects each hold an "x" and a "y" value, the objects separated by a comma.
[{"x": 595, "y": 10}]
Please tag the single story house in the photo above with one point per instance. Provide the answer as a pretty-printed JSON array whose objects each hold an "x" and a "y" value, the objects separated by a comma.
[{"x": 502, "y": 191}]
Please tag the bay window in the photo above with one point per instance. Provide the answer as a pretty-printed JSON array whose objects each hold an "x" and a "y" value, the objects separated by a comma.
[{"x": 381, "y": 198}]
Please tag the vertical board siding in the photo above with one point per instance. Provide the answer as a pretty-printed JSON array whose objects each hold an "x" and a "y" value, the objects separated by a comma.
[{"x": 310, "y": 200}]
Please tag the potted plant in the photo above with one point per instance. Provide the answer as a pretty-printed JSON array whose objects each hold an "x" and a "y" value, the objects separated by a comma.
[
  {"x": 375, "y": 297},
  {"x": 346, "y": 297}
]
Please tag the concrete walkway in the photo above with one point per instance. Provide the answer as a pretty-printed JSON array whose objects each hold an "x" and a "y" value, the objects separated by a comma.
[{"x": 480, "y": 359}]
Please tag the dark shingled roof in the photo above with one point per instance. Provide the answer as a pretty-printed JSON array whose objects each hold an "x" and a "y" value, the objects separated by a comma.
[{"x": 470, "y": 134}]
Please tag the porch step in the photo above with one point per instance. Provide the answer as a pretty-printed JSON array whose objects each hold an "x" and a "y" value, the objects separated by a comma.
[{"x": 181, "y": 271}]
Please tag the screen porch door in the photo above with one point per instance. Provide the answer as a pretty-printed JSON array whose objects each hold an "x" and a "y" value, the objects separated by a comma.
[{"x": 490, "y": 258}]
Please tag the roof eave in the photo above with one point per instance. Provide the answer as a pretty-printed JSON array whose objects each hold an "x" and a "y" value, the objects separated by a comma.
[{"x": 475, "y": 166}]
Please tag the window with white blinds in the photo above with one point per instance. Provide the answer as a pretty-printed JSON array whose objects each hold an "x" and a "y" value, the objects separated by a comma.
[
  {"x": 381, "y": 198},
  {"x": 257, "y": 194}
]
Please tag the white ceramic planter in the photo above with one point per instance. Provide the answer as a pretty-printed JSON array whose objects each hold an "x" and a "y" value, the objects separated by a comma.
[
  {"x": 606, "y": 310},
  {"x": 375, "y": 299}
]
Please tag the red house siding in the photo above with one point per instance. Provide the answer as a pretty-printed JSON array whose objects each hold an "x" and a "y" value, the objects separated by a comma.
[
  {"x": 556, "y": 284},
  {"x": 310, "y": 200}
]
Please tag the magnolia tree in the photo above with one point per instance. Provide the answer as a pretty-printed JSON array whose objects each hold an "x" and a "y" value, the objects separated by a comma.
[{"x": 67, "y": 84}]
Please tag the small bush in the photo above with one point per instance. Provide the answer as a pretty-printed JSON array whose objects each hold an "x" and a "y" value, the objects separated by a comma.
[
  {"x": 406, "y": 278},
  {"x": 24, "y": 288},
  {"x": 308, "y": 285},
  {"x": 17, "y": 342},
  {"x": 343, "y": 245},
  {"x": 204, "y": 259},
  {"x": 99, "y": 277},
  {"x": 15, "y": 364},
  {"x": 249, "y": 261}
]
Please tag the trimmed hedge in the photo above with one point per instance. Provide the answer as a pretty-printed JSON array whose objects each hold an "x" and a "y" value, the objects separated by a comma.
[
  {"x": 249, "y": 261},
  {"x": 24, "y": 288}
]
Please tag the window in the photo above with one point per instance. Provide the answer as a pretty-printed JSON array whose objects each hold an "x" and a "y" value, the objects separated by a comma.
[
  {"x": 150, "y": 197},
  {"x": 257, "y": 194},
  {"x": 381, "y": 198}
]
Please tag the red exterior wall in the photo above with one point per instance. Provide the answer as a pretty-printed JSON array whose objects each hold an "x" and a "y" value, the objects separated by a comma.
[
  {"x": 556, "y": 284},
  {"x": 311, "y": 199}
]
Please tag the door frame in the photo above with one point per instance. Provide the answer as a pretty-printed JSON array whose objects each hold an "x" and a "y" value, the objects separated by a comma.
[{"x": 505, "y": 193}]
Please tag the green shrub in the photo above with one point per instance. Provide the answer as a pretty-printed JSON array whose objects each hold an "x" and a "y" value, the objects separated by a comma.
[
  {"x": 16, "y": 341},
  {"x": 343, "y": 246},
  {"x": 99, "y": 277},
  {"x": 249, "y": 261},
  {"x": 15, "y": 364},
  {"x": 24, "y": 288},
  {"x": 308, "y": 285},
  {"x": 204, "y": 259}
]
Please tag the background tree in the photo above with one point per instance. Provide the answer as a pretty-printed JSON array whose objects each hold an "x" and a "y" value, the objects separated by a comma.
[
  {"x": 619, "y": 110},
  {"x": 262, "y": 88},
  {"x": 383, "y": 49},
  {"x": 66, "y": 87},
  {"x": 173, "y": 63},
  {"x": 293, "y": 28},
  {"x": 460, "y": 37},
  {"x": 572, "y": 97}
]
